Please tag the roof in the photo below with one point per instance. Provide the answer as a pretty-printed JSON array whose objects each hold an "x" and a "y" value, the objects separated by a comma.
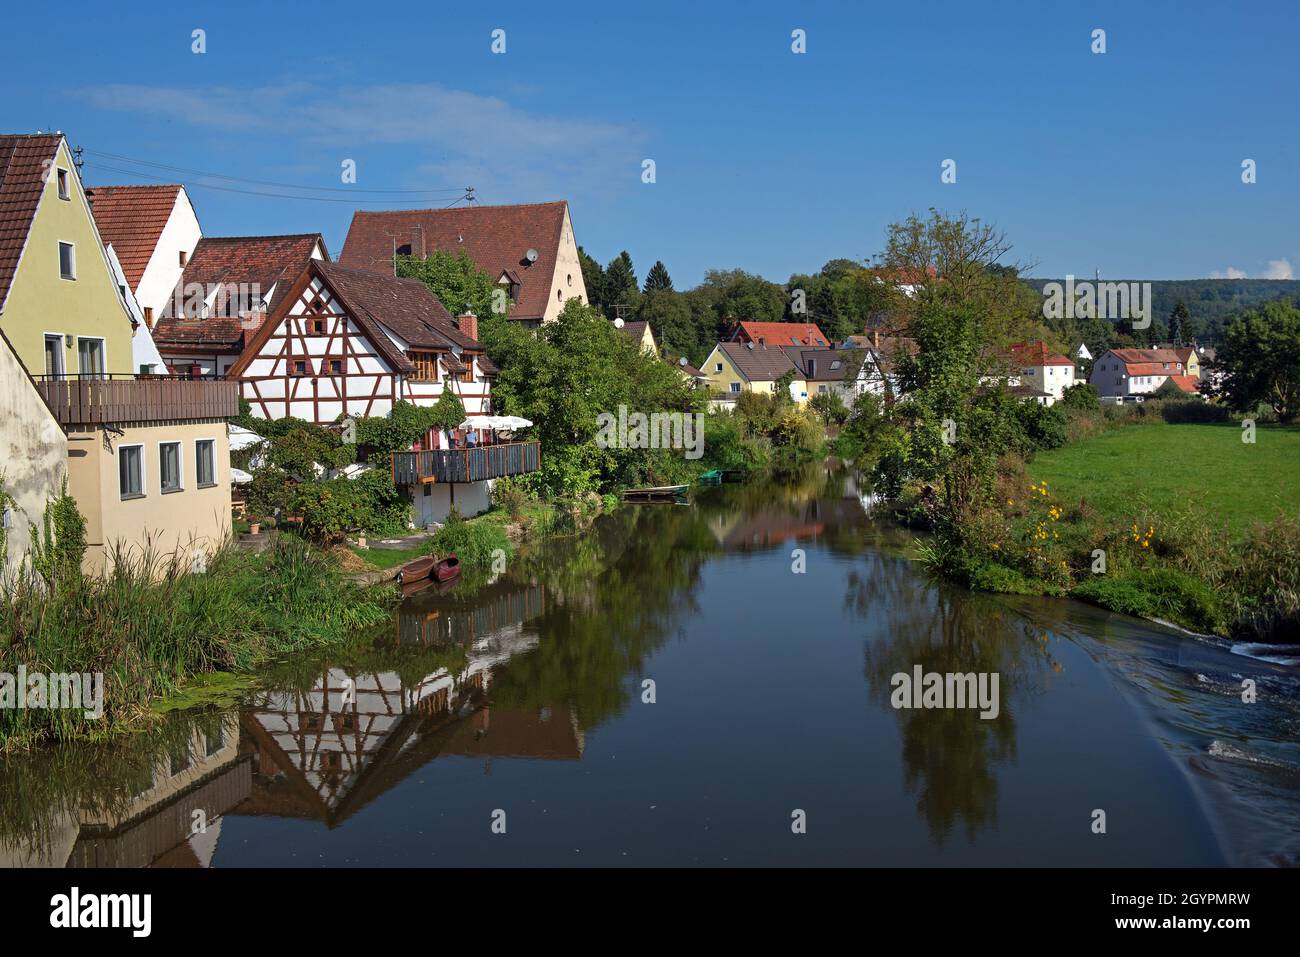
[
  {"x": 782, "y": 333},
  {"x": 635, "y": 330},
  {"x": 828, "y": 365},
  {"x": 1185, "y": 353},
  {"x": 22, "y": 165},
  {"x": 131, "y": 218},
  {"x": 496, "y": 238},
  {"x": 262, "y": 261},
  {"x": 1146, "y": 355},
  {"x": 759, "y": 364},
  {"x": 1188, "y": 383},
  {"x": 1037, "y": 354},
  {"x": 406, "y": 306},
  {"x": 214, "y": 334}
]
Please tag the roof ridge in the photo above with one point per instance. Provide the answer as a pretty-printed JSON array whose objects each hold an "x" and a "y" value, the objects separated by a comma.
[
  {"x": 454, "y": 209},
  {"x": 222, "y": 239}
]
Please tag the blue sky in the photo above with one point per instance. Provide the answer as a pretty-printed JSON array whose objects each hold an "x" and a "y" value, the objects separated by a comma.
[{"x": 1128, "y": 162}]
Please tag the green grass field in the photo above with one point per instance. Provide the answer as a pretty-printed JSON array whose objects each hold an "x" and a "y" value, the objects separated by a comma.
[{"x": 1168, "y": 466}]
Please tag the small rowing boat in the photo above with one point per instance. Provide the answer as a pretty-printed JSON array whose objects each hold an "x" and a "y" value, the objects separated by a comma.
[
  {"x": 657, "y": 493},
  {"x": 416, "y": 570},
  {"x": 711, "y": 477},
  {"x": 447, "y": 569}
]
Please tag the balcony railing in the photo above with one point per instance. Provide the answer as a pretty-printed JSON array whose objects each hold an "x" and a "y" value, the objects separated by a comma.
[
  {"x": 93, "y": 401},
  {"x": 466, "y": 465}
]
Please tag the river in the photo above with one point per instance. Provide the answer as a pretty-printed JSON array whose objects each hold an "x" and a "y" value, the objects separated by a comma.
[{"x": 703, "y": 685}]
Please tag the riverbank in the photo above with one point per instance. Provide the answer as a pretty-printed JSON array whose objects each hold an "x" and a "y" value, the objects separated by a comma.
[
  {"x": 151, "y": 625},
  {"x": 1182, "y": 523}
]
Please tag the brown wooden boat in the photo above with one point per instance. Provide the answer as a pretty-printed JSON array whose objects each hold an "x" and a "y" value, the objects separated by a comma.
[
  {"x": 447, "y": 569},
  {"x": 416, "y": 570}
]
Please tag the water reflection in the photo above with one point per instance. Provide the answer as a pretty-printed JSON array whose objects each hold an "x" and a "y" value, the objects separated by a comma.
[{"x": 775, "y": 694}]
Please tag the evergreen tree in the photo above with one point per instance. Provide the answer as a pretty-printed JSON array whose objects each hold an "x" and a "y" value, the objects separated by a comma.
[
  {"x": 1180, "y": 324},
  {"x": 620, "y": 283},
  {"x": 658, "y": 277},
  {"x": 593, "y": 277}
]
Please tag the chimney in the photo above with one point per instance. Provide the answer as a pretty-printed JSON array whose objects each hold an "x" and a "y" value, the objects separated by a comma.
[{"x": 468, "y": 324}]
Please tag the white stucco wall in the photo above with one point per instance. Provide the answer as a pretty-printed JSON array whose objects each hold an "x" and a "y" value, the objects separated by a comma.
[
  {"x": 567, "y": 281},
  {"x": 33, "y": 455},
  {"x": 182, "y": 233}
]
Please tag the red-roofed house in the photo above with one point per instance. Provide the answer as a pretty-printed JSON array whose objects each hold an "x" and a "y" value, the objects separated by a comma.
[
  {"x": 528, "y": 249},
  {"x": 229, "y": 285},
  {"x": 804, "y": 334},
  {"x": 153, "y": 231},
  {"x": 1041, "y": 370},
  {"x": 1126, "y": 375}
]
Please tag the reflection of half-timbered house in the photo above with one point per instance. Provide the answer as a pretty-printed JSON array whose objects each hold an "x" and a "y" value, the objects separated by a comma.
[{"x": 348, "y": 342}]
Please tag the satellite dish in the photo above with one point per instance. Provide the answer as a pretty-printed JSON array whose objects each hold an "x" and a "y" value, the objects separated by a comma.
[
  {"x": 618, "y": 323},
  {"x": 531, "y": 255},
  {"x": 681, "y": 361}
]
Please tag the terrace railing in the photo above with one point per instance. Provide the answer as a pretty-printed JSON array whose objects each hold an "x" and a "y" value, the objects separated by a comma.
[
  {"x": 466, "y": 465},
  {"x": 110, "y": 400}
]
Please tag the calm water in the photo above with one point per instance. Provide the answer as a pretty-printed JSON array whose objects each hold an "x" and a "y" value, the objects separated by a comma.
[{"x": 521, "y": 702}]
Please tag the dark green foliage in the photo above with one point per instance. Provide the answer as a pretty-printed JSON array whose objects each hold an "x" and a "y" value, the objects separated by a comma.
[
  {"x": 1260, "y": 361},
  {"x": 58, "y": 549},
  {"x": 455, "y": 280},
  {"x": 657, "y": 277},
  {"x": 475, "y": 544}
]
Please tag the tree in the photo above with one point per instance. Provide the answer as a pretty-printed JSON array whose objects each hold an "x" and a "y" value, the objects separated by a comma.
[
  {"x": 670, "y": 320},
  {"x": 454, "y": 279},
  {"x": 1180, "y": 323},
  {"x": 620, "y": 283},
  {"x": 1259, "y": 361},
  {"x": 657, "y": 277},
  {"x": 593, "y": 277},
  {"x": 742, "y": 296}
]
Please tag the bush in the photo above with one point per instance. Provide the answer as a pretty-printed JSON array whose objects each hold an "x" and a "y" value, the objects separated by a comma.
[
  {"x": 1165, "y": 593},
  {"x": 474, "y": 543}
]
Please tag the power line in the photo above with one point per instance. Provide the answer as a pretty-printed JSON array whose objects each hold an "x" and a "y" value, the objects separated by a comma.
[
  {"x": 261, "y": 182},
  {"x": 251, "y": 192}
]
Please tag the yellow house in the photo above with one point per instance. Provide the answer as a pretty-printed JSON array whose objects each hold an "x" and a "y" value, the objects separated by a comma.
[
  {"x": 1191, "y": 361},
  {"x": 735, "y": 367},
  {"x": 148, "y": 461},
  {"x": 642, "y": 335}
]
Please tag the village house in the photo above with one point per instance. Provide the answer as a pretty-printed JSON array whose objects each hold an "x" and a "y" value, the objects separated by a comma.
[
  {"x": 847, "y": 373},
  {"x": 641, "y": 334},
  {"x": 154, "y": 232},
  {"x": 779, "y": 334},
  {"x": 887, "y": 352},
  {"x": 148, "y": 462},
  {"x": 350, "y": 342},
  {"x": 1129, "y": 375},
  {"x": 529, "y": 250},
  {"x": 1043, "y": 375},
  {"x": 735, "y": 367},
  {"x": 228, "y": 286}
]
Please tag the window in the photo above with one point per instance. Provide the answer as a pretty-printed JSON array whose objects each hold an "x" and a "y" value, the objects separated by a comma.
[
  {"x": 130, "y": 471},
  {"x": 336, "y": 367},
  {"x": 559, "y": 295},
  {"x": 148, "y": 316},
  {"x": 426, "y": 366},
  {"x": 717, "y": 367},
  {"x": 64, "y": 191},
  {"x": 67, "y": 261},
  {"x": 205, "y": 462},
  {"x": 299, "y": 367},
  {"x": 735, "y": 387},
  {"x": 467, "y": 374},
  {"x": 317, "y": 327},
  {"x": 184, "y": 257},
  {"x": 90, "y": 358},
  {"x": 569, "y": 279},
  {"x": 54, "y": 355},
  {"x": 169, "y": 466}
]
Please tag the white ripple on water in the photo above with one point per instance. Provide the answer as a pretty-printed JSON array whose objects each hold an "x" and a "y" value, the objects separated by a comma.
[{"x": 1276, "y": 654}]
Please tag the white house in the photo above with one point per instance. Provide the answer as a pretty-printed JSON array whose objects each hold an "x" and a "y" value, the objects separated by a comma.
[
  {"x": 145, "y": 356},
  {"x": 1128, "y": 375},
  {"x": 1042, "y": 372},
  {"x": 155, "y": 231},
  {"x": 847, "y": 373}
]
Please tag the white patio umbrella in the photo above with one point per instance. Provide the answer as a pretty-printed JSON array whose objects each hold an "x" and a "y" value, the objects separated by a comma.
[{"x": 240, "y": 477}]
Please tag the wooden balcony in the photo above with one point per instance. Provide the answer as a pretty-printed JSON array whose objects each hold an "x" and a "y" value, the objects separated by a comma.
[
  {"x": 466, "y": 465},
  {"x": 88, "y": 401}
]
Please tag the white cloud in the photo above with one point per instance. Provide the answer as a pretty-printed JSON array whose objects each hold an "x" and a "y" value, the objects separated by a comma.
[
  {"x": 1230, "y": 273},
  {"x": 1278, "y": 269},
  {"x": 483, "y": 140}
]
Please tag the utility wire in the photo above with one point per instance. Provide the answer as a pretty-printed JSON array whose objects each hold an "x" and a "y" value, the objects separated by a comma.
[
  {"x": 261, "y": 182},
  {"x": 249, "y": 192}
]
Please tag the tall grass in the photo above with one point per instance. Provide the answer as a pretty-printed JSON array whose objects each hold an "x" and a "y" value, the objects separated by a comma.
[{"x": 151, "y": 621}]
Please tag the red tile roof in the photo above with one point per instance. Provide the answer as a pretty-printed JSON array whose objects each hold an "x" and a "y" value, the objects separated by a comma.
[
  {"x": 497, "y": 238},
  {"x": 216, "y": 334},
  {"x": 1146, "y": 355},
  {"x": 22, "y": 166},
  {"x": 406, "y": 306},
  {"x": 1188, "y": 383},
  {"x": 781, "y": 334},
  {"x": 132, "y": 218},
  {"x": 1037, "y": 354},
  {"x": 263, "y": 261}
]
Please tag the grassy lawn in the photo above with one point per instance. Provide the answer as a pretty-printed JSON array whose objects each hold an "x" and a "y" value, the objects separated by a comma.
[
  {"x": 1170, "y": 465},
  {"x": 387, "y": 557}
]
